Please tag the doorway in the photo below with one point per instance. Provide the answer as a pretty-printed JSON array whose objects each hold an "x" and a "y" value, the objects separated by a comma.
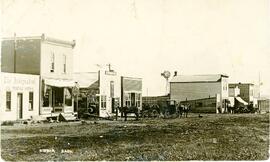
[
  {"x": 20, "y": 105},
  {"x": 133, "y": 103}
]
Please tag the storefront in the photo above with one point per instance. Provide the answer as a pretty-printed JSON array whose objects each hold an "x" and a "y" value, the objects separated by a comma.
[
  {"x": 19, "y": 96},
  {"x": 56, "y": 97},
  {"x": 109, "y": 92},
  {"x": 102, "y": 92},
  {"x": 131, "y": 92}
]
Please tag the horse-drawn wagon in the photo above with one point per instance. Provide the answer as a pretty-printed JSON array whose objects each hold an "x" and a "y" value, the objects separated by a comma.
[{"x": 164, "y": 109}]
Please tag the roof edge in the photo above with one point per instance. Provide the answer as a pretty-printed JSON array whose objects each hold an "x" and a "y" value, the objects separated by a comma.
[{"x": 43, "y": 37}]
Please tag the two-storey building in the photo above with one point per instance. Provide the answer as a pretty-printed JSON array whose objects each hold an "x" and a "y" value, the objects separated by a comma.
[{"x": 52, "y": 60}]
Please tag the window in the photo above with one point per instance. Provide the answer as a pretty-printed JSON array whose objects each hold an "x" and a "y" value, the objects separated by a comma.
[
  {"x": 103, "y": 102},
  {"x": 8, "y": 101},
  {"x": 31, "y": 101},
  {"x": 65, "y": 62},
  {"x": 138, "y": 100},
  {"x": 128, "y": 99},
  {"x": 68, "y": 97},
  {"x": 52, "y": 62},
  {"x": 111, "y": 89}
]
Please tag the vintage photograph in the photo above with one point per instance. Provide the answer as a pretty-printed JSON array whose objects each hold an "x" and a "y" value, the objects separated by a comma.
[{"x": 135, "y": 80}]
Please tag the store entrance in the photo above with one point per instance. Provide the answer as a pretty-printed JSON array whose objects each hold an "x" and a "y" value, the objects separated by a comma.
[
  {"x": 57, "y": 99},
  {"x": 133, "y": 103}
]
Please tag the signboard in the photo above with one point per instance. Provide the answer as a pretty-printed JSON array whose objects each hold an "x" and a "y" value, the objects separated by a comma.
[
  {"x": 13, "y": 82},
  {"x": 110, "y": 72}
]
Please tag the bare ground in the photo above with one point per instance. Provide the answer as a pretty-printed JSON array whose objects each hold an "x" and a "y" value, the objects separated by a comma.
[{"x": 212, "y": 137}]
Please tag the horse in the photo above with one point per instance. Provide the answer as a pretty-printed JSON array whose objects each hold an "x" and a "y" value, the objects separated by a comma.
[
  {"x": 125, "y": 110},
  {"x": 183, "y": 110}
]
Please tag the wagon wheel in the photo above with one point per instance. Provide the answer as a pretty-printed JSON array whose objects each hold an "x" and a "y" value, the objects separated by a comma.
[
  {"x": 154, "y": 110},
  {"x": 144, "y": 113},
  {"x": 90, "y": 110},
  {"x": 167, "y": 114},
  {"x": 154, "y": 113}
]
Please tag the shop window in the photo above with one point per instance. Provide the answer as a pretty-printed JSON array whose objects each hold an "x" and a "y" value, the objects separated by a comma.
[
  {"x": 31, "y": 101},
  {"x": 128, "y": 99},
  {"x": 68, "y": 97},
  {"x": 138, "y": 100},
  {"x": 8, "y": 101},
  {"x": 52, "y": 62},
  {"x": 103, "y": 102}
]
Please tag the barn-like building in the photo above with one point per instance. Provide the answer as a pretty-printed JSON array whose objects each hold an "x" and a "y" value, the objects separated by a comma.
[{"x": 203, "y": 92}]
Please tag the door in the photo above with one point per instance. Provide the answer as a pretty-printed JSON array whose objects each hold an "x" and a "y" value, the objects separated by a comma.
[
  {"x": 113, "y": 105},
  {"x": 133, "y": 103},
  {"x": 20, "y": 105}
]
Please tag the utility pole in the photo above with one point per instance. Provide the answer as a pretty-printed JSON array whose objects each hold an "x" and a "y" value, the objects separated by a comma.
[{"x": 260, "y": 84}]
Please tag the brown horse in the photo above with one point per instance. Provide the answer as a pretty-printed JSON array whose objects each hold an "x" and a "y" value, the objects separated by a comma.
[
  {"x": 183, "y": 109},
  {"x": 125, "y": 110}
]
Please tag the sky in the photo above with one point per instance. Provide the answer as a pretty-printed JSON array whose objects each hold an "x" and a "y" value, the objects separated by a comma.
[{"x": 142, "y": 38}]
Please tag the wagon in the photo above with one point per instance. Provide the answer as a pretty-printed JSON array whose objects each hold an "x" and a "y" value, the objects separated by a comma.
[{"x": 161, "y": 109}]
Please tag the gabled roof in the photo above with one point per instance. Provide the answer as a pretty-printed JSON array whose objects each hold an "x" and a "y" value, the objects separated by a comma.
[
  {"x": 86, "y": 79},
  {"x": 197, "y": 78}
]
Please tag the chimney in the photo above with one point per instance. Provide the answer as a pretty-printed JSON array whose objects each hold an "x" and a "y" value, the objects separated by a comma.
[{"x": 175, "y": 73}]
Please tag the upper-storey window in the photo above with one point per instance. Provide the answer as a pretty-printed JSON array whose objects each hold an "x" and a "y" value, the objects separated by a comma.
[
  {"x": 52, "y": 62},
  {"x": 65, "y": 63}
]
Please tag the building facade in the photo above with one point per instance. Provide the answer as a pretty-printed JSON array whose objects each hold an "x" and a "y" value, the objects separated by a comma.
[
  {"x": 49, "y": 58},
  {"x": 195, "y": 87},
  {"x": 131, "y": 92},
  {"x": 19, "y": 96},
  {"x": 102, "y": 91},
  {"x": 246, "y": 92},
  {"x": 264, "y": 105}
]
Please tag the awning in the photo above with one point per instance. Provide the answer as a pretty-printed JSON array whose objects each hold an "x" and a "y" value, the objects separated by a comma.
[
  {"x": 241, "y": 100},
  {"x": 59, "y": 82}
]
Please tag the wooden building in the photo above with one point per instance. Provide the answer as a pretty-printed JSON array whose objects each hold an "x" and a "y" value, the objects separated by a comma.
[
  {"x": 196, "y": 87},
  {"x": 52, "y": 60},
  {"x": 246, "y": 92},
  {"x": 102, "y": 91},
  {"x": 131, "y": 92},
  {"x": 264, "y": 105},
  {"x": 19, "y": 96}
]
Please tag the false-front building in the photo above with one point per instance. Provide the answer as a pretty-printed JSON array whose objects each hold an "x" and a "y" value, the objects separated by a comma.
[
  {"x": 101, "y": 92},
  {"x": 52, "y": 60},
  {"x": 19, "y": 96}
]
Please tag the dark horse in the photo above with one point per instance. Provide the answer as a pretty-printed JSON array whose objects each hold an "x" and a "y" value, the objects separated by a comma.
[
  {"x": 125, "y": 110},
  {"x": 183, "y": 110}
]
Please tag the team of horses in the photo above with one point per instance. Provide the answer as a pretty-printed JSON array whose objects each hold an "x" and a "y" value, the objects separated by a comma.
[{"x": 181, "y": 110}]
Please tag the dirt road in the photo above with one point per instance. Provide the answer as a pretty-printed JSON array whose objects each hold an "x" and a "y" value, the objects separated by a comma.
[{"x": 212, "y": 137}]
